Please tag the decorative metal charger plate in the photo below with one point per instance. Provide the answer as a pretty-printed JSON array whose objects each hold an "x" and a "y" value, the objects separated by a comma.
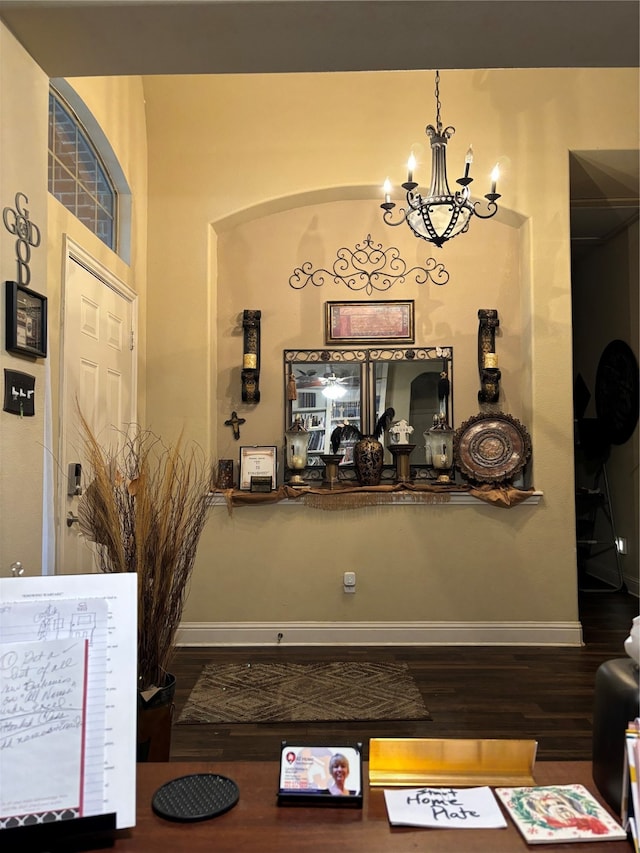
[
  {"x": 491, "y": 448},
  {"x": 199, "y": 796}
]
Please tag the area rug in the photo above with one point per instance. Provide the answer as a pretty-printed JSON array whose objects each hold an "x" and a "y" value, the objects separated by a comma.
[{"x": 306, "y": 692}]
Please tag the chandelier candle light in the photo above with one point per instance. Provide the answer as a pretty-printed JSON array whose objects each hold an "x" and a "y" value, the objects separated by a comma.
[{"x": 440, "y": 215}]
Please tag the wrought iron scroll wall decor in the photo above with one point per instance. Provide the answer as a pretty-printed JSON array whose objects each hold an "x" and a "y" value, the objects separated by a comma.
[
  {"x": 368, "y": 267},
  {"x": 17, "y": 222},
  {"x": 487, "y": 357},
  {"x": 251, "y": 357}
]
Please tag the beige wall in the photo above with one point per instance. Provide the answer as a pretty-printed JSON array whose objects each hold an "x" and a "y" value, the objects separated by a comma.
[
  {"x": 250, "y": 176},
  {"x": 23, "y": 168}
]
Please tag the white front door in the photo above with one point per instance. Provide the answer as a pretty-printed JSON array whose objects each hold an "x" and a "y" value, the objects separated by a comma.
[{"x": 98, "y": 377}]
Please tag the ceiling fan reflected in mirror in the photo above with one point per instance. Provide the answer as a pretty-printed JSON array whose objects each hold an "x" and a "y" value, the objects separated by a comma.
[{"x": 334, "y": 386}]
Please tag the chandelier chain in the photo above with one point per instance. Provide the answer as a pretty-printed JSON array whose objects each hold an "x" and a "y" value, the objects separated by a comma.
[{"x": 438, "y": 104}]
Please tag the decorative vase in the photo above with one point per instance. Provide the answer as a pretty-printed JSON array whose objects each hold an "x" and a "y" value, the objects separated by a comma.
[
  {"x": 155, "y": 716},
  {"x": 367, "y": 457}
]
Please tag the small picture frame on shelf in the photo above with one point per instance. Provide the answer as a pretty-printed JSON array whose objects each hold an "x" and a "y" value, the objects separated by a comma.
[
  {"x": 319, "y": 775},
  {"x": 390, "y": 321},
  {"x": 258, "y": 463},
  {"x": 26, "y": 321}
]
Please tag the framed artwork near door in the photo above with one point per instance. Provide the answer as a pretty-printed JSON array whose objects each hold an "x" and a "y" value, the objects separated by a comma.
[{"x": 26, "y": 315}]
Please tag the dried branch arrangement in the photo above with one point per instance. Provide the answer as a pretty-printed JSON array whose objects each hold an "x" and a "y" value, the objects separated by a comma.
[{"x": 145, "y": 508}]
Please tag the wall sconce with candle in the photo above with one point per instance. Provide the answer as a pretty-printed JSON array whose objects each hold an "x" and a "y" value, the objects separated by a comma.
[
  {"x": 487, "y": 357},
  {"x": 251, "y": 357}
]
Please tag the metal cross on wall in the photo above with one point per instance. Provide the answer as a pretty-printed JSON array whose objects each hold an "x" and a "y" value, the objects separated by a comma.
[{"x": 235, "y": 423}]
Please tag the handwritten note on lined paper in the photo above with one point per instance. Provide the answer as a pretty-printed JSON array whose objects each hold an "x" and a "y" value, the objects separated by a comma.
[
  {"x": 78, "y": 619},
  {"x": 43, "y": 702}
]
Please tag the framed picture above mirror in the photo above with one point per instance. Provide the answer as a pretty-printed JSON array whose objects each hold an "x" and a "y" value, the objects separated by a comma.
[{"x": 390, "y": 322}]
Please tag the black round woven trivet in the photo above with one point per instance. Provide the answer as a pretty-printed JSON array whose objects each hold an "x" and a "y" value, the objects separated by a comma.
[{"x": 199, "y": 796}]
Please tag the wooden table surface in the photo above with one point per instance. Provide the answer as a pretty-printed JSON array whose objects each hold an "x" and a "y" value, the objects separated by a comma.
[{"x": 256, "y": 823}]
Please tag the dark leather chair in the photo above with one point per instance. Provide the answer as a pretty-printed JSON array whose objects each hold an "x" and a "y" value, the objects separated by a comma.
[{"x": 616, "y": 703}]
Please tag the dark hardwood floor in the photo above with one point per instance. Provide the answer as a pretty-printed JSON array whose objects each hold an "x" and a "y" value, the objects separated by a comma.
[{"x": 480, "y": 691}]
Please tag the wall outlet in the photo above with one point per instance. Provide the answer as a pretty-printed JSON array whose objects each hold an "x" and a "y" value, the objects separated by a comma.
[{"x": 349, "y": 582}]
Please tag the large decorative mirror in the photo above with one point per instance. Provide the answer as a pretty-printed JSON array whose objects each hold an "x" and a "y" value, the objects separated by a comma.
[
  {"x": 325, "y": 388},
  {"x": 328, "y": 391},
  {"x": 416, "y": 384}
]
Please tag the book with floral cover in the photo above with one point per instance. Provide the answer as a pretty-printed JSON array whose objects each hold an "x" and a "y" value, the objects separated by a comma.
[{"x": 553, "y": 813}]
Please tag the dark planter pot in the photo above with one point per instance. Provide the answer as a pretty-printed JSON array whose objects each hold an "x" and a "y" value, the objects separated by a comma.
[
  {"x": 367, "y": 457},
  {"x": 155, "y": 717}
]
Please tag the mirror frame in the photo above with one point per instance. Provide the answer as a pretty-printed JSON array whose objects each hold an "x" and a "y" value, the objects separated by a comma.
[{"x": 367, "y": 358}]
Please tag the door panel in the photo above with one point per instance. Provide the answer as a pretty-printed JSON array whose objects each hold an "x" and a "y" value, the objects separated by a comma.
[{"x": 98, "y": 377}]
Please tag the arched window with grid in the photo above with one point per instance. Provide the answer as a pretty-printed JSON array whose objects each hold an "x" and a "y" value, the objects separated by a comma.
[{"x": 78, "y": 175}]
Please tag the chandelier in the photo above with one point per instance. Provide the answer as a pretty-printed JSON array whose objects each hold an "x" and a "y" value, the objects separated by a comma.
[{"x": 441, "y": 214}]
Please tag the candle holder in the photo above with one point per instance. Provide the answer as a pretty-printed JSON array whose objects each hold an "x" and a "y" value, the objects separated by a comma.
[
  {"x": 331, "y": 462},
  {"x": 487, "y": 357},
  {"x": 439, "y": 448},
  {"x": 490, "y": 382},
  {"x": 297, "y": 444},
  {"x": 401, "y": 454}
]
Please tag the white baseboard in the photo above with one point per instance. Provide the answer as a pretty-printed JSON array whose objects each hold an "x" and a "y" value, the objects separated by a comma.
[{"x": 380, "y": 634}]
